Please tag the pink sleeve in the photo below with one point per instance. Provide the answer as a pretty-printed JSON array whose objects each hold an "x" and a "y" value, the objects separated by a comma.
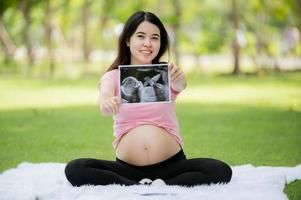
[{"x": 111, "y": 75}]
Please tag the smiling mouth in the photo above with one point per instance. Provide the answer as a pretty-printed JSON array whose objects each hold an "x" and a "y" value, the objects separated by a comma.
[{"x": 146, "y": 52}]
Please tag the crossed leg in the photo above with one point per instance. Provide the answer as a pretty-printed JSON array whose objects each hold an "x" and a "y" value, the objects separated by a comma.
[
  {"x": 186, "y": 172},
  {"x": 86, "y": 171}
]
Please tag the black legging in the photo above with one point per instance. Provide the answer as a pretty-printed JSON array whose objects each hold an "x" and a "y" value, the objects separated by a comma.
[{"x": 176, "y": 170}]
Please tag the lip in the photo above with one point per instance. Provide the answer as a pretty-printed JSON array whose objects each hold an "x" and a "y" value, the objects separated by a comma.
[{"x": 146, "y": 52}]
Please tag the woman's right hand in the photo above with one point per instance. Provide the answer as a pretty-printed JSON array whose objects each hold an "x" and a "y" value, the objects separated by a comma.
[{"x": 110, "y": 105}]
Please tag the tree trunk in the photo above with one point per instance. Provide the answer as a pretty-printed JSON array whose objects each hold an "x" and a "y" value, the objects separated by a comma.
[
  {"x": 26, "y": 7},
  {"x": 106, "y": 8},
  {"x": 236, "y": 56},
  {"x": 86, "y": 15},
  {"x": 9, "y": 47},
  {"x": 49, "y": 25},
  {"x": 259, "y": 32},
  {"x": 299, "y": 8},
  {"x": 176, "y": 27},
  {"x": 235, "y": 45}
]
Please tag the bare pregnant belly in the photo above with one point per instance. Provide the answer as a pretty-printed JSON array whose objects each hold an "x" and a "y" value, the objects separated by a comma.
[{"x": 146, "y": 145}]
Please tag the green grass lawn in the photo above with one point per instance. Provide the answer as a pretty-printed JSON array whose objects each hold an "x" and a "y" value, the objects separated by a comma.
[{"x": 241, "y": 120}]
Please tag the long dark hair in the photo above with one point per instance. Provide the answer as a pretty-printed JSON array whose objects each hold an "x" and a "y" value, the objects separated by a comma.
[{"x": 124, "y": 54}]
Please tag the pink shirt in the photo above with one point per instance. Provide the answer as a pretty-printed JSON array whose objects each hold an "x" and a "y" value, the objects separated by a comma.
[{"x": 132, "y": 115}]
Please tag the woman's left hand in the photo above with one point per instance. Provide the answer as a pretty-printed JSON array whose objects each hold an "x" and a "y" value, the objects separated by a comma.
[{"x": 177, "y": 76}]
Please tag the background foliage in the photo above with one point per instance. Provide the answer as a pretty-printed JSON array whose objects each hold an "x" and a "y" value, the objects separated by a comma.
[{"x": 76, "y": 37}]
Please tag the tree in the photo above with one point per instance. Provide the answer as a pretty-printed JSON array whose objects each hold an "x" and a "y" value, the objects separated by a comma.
[
  {"x": 9, "y": 47},
  {"x": 269, "y": 25},
  {"x": 26, "y": 6},
  {"x": 106, "y": 9},
  {"x": 235, "y": 19},
  {"x": 49, "y": 27},
  {"x": 175, "y": 27},
  {"x": 86, "y": 16},
  {"x": 296, "y": 8}
]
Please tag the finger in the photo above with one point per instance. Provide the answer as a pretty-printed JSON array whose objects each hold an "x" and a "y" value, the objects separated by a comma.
[
  {"x": 176, "y": 75},
  {"x": 108, "y": 107},
  {"x": 176, "y": 70},
  {"x": 170, "y": 67},
  {"x": 116, "y": 99},
  {"x": 116, "y": 107},
  {"x": 173, "y": 69},
  {"x": 116, "y": 102}
]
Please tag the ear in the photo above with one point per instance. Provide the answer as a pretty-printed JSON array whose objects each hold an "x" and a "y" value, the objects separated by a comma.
[{"x": 127, "y": 43}]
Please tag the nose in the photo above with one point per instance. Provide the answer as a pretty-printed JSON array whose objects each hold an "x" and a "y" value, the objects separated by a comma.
[{"x": 147, "y": 42}]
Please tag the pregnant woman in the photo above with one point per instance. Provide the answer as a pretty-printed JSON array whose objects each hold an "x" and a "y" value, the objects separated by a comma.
[{"x": 148, "y": 143}]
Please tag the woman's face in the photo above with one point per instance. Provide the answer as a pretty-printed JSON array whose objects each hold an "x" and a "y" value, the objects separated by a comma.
[{"x": 145, "y": 43}]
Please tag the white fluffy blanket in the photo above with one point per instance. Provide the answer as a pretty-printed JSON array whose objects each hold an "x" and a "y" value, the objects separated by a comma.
[{"x": 47, "y": 181}]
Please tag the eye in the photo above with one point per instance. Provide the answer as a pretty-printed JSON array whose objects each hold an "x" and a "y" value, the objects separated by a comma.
[
  {"x": 155, "y": 38},
  {"x": 140, "y": 36}
]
